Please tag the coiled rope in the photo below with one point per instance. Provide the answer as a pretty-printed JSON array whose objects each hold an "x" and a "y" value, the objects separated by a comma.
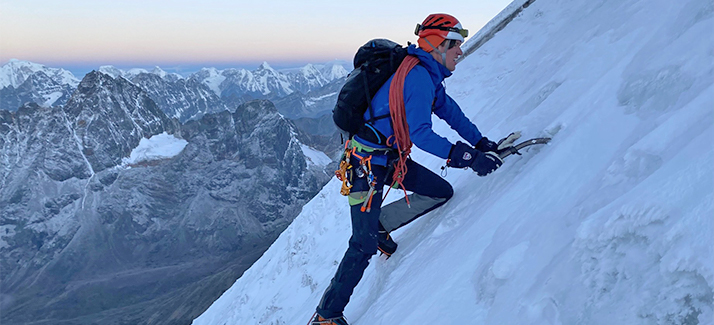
[{"x": 399, "y": 121}]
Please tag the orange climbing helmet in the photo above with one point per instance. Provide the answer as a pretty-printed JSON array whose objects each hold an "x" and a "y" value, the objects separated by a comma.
[{"x": 439, "y": 27}]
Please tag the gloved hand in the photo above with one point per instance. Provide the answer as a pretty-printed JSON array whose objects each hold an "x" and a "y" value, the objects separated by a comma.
[
  {"x": 486, "y": 145},
  {"x": 483, "y": 163}
]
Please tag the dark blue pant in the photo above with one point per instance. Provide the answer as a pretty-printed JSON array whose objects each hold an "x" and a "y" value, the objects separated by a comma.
[{"x": 429, "y": 192}]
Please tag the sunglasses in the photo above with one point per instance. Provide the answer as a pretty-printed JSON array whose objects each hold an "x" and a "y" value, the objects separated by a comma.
[
  {"x": 452, "y": 44},
  {"x": 463, "y": 32}
]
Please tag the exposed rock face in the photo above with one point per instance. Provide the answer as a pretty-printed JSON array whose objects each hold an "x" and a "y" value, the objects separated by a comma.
[
  {"x": 183, "y": 99},
  {"x": 312, "y": 104},
  {"x": 22, "y": 82},
  {"x": 38, "y": 88},
  {"x": 86, "y": 240},
  {"x": 110, "y": 116}
]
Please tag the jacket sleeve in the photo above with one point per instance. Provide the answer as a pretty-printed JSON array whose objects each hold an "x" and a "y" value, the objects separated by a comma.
[
  {"x": 419, "y": 94},
  {"x": 448, "y": 110}
]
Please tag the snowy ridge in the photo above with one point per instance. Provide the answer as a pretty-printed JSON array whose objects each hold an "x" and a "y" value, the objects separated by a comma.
[
  {"x": 15, "y": 72},
  {"x": 493, "y": 26},
  {"x": 212, "y": 78},
  {"x": 310, "y": 78},
  {"x": 608, "y": 224},
  {"x": 269, "y": 81},
  {"x": 266, "y": 81},
  {"x": 131, "y": 73}
]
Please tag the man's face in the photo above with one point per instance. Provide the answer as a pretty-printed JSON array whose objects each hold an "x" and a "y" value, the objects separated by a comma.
[{"x": 452, "y": 53}]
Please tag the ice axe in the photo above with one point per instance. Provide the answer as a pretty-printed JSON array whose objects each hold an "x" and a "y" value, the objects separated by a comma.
[{"x": 506, "y": 145}]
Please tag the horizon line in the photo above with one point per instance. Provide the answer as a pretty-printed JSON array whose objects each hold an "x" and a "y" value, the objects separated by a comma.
[{"x": 183, "y": 68}]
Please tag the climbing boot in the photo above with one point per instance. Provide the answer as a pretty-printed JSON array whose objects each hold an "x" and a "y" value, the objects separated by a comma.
[{"x": 385, "y": 244}]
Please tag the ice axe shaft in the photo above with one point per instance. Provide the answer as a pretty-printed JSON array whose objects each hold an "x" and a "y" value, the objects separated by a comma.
[{"x": 505, "y": 152}]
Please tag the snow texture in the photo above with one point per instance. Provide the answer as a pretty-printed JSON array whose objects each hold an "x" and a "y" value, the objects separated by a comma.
[
  {"x": 131, "y": 73},
  {"x": 611, "y": 223},
  {"x": 15, "y": 72},
  {"x": 160, "y": 146},
  {"x": 315, "y": 157}
]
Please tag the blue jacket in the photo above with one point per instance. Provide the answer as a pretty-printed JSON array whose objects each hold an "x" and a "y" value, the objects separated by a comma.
[{"x": 422, "y": 87}]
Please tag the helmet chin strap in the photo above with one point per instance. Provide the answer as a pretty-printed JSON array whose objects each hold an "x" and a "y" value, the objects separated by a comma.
[{"x": 443, "y": 54}]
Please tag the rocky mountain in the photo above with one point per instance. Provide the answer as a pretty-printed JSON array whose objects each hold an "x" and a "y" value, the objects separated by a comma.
[
  {"x": 238, "y": 85},
  {"x": 86, "y": 239},
  {"x": 38, "y": 88},
  {"x": 312, "y": 104},
  {"x": 183, "y": 99},
  {"x": 304, "y": 95},
  {"x": 131, "y": 73},
  {"x": 126, "y": 116},
  {"x": 308, "y": 78},
  {"x": 15, "y": 72},
  {"x": 23, "y": 81},
  {"x": 235, "y": 86}
]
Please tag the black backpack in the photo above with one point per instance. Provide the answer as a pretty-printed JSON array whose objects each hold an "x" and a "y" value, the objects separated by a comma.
[{"x": 374, "y": 63}]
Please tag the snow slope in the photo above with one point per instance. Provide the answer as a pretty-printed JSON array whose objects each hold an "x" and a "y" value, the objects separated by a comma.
[
  {"x": 611, "y": 223},
  {"x": 157, "y": 147}
]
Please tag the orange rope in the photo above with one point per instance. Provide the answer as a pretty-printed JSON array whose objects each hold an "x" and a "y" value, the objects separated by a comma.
[{"x": 399, "y": 121}]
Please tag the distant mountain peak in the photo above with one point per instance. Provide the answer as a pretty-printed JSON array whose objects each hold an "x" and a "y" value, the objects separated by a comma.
[
  {"x": 15, "y": 72},
  {"x": 111, "y": 71},
  {"x": 158, "y": 71},
  {"x": 264, "y": 66}
]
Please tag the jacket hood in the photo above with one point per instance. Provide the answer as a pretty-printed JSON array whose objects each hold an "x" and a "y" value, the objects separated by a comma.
[{"x": 437, "y": 70}]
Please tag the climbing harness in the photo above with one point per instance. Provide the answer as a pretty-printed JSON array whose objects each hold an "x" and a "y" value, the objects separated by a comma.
[
  {"x": 365, "y": 170},
  {"x": 346, "y": 171}
]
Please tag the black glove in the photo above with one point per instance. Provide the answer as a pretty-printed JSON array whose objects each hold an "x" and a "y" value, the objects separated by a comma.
[
  {"x": 485, "y": 163},
  {"x": 462, "y": 155},
  {"x": 486, "y": 145}
]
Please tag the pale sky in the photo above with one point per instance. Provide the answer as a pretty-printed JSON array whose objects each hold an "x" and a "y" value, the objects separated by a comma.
[{"x": 213, "y": 32}]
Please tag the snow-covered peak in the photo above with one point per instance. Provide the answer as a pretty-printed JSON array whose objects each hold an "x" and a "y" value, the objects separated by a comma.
[
  {"x": 334, "y": 70},
  {"x": 158, "y": 71},
  {"x": 337, "y": 72},
  {"x": 210, "y": 72},
  {"x": 264, "y": 66},
  {"x": 211, "y": 77},
  {"x": 164, "y": 75},
  {"x": 17, "y": 69},
  {"x": 310, "y": 71},
  {"x": 111, "y": 71},
  {"x": 15, "y": 72},
  {"x": 131, "y": 73}
]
